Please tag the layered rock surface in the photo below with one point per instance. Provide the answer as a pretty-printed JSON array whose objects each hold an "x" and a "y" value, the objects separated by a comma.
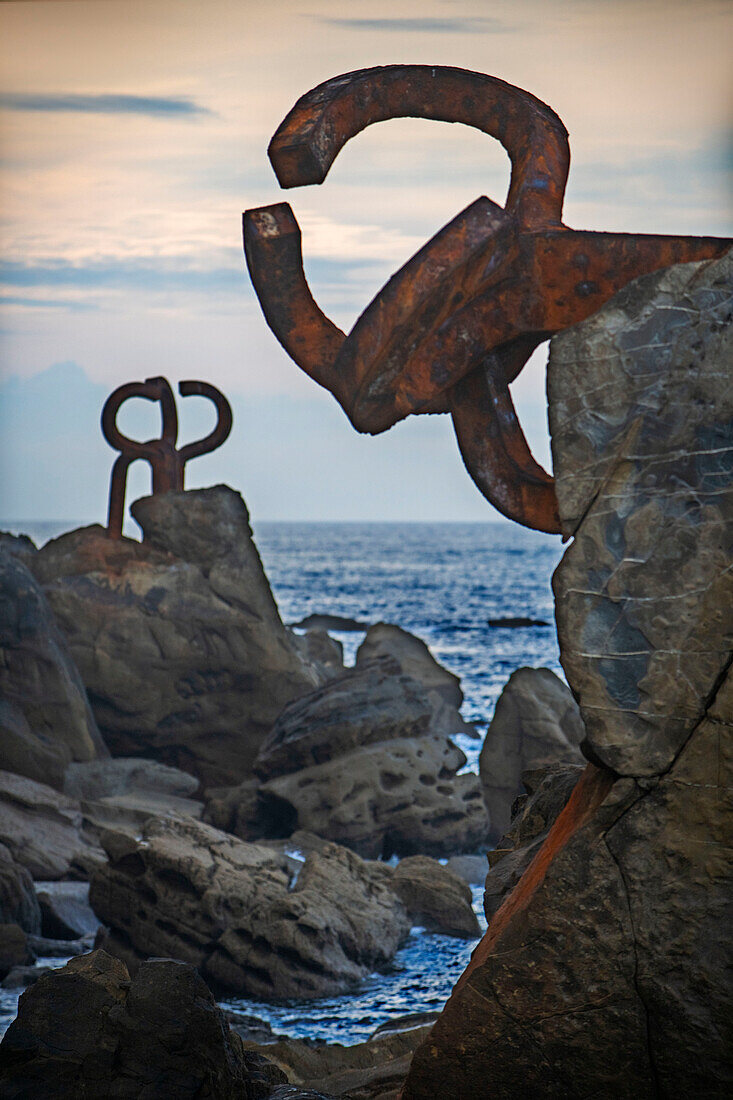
[
  {"x": 178, "y": 639},
  {"x": 606, "y": 970},
  {"x": 359, "y": 761},
  {"x": 45, "y": 718},
  {"x": 536, "y": 722},
  {"x": 238, "y": 913}
]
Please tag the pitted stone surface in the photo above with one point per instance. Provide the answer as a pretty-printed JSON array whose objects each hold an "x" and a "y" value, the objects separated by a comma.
[{"x": 641, "y": 417}]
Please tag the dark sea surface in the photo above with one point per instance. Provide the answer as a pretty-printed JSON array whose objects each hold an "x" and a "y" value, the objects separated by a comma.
[{"x": 443, "y": 582}]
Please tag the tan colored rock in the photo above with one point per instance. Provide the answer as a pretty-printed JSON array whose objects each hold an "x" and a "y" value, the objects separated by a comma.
[
  {"x": 178, "y": 639},
  {"x": 435, "y": 897},
  {"x": 238, "y": 913},
  {"x": 41, "y": 828},
  {"x": 641, "y": 408},
  {"x": 413, "y": 657},
  {"x": 536, "y": 723},
  {"x": 45, "y": 718}
]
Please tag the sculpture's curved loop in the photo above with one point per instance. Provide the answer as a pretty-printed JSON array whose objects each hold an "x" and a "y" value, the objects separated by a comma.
[
  {"x": 312, "y": 134},
  {"x": 152, "y": 389},
  {"x": 223, "y": 425},
  {"x": 492, "y": 444}
]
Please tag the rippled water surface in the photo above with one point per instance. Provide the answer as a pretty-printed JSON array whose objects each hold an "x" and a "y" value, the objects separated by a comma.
[{"x": 443, "y": 582}]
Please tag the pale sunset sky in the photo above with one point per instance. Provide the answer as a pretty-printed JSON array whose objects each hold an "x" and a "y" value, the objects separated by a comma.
[{"x": 133, "y": 133}]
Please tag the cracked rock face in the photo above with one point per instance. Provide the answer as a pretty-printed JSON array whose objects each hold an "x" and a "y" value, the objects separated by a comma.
[
  {"x": 178, "y": 639},
  {"x": 641, "y": 417},
  {"x": 236, "y": 911},
  {"x": 605, "y": 972}
]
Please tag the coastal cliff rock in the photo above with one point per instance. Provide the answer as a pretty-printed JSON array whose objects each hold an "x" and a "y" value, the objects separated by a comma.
[
  {"x": 414, "y": 659},
  {"x": 89, "y": 1031},
  {"x": 435, "y": 897},
  {"x": 178, "y": 638},
  {"x": 606, "y": 970},
  {"x": 359, "y": 761},
  {"x": 239, "y": 914},
  {"x": 45, "y": 718},
  {"x": 18, "y": 901},
  {"x": 536, "y": 722}
]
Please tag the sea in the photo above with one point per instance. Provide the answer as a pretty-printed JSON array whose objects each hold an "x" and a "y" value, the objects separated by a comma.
[{"x": 442, "y": 582}]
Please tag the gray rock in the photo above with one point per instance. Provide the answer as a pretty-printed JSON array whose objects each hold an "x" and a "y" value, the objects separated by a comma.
[
  {"x": 536, "y": 722},
  {"x": 41, "y": 828},
  {"x": 18, "y": 901},
  {"x": 640, "y": 413},
  {"x": 20, "y": 546},
  {"x": 235, "y": 910},
  {"x": 14, "y": 948},
  {"x": 359, "y": 762},
  {"x": 178, "y": 639},
  {"x": 414, "y": 659},
  {"x": 321, "y": 650},
  {"x": 434, "y": 897},
  {"x": 472, "y": 869},
  {"x": 65, "y": 910},
  {"x": 45, "y": 718},
  {"x": 89, "y": 1031},
  {"x": 125, "y": 775},
  {"x": 20, "y": 977}
]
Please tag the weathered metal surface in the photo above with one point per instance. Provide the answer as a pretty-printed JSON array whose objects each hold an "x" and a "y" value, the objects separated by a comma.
[
  {"x": 455, "y": 325},
  {"x": 167, "y": 463}
]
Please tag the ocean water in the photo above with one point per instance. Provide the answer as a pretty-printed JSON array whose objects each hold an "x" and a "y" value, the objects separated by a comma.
[{"x": 443, "y": 582}]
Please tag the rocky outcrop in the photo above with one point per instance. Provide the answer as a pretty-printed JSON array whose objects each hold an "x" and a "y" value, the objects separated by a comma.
[
  {"x": 45, "y": 718},
  {"x": 178, "y": 639},
  {"x": 18, "y": 901},
  {"x": 374, "y": 1070},
  {"x": 14, "y": 948},
  {"x": 549, "y": 790},
  {"x": 434, "y": 897},
  {"x": 321, "y": 650},
  {"x": 359, "y": 762},
  {"x": 89, "y": 1031},
  {"x": 414, "y": 658},
  {"x": 242, "y": 916},
  {"x": 605, "y": 971},
  {"x": 536, "y": 722},
  {"x": 42, "y": 828},
  {"x": 65, "y": 910}
]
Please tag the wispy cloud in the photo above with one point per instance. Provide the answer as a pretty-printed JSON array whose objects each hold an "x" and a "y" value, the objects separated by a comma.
[
  {"x": 425, "y": 24},
  {"x": 149, "y": 106},
  {"x": 44, "y": 303}
]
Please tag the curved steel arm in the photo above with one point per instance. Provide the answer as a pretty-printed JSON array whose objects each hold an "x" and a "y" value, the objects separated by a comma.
[{"x": 223, "y": 425}]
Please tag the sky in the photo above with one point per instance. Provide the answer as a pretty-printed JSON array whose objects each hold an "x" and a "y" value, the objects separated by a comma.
[{"x": 133, "y": 133}]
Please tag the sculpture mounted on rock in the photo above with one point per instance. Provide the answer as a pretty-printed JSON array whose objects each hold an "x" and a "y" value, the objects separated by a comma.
[
  {"x": 166, "y": 461},
  {"x": 454, "y": 327}
]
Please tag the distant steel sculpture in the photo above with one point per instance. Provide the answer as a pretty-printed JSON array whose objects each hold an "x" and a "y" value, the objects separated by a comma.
[
  {"x": 454, "y": 327},
  {"x": 166, "y": 461}
]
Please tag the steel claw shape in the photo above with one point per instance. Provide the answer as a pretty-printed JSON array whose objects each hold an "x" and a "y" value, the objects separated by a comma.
[
  {"x": 167, "y": 462},
  {"x": 456, "y": 324}
]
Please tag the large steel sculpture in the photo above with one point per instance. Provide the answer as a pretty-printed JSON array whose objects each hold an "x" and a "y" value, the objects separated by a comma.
[
  {"x": 454, "y": 327},
  {"x": 166, "y": 461}
]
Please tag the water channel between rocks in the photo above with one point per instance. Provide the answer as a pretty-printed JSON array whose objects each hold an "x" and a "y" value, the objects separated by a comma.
[{"x": 442, "y": 582}]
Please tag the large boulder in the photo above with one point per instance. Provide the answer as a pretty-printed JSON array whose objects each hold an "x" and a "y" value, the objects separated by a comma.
[
  {"x": 536, "y": 722},
  {"x": 242, "y": 915},
  {"x": 435, "y": 897},
  {"x": 45, "y": 718},
  {"x": 177, "y": 638},
  {"x": 606, "y": 970},
  {"x": 88, "y": 1030},
  {"x": 43, "y": 829},
  {"x": 359, "y": 761},
  {"x": 413, "y": 657}
]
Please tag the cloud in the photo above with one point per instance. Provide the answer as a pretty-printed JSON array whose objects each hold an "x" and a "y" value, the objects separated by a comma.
[
  {"x": 149, "y": 106},
  {"x": 44, "y": 303},
  {"x": 424, "y": 24}
]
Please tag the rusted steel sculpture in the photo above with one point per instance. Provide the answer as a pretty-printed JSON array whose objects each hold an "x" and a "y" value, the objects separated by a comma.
[
  {"x": 166, "y": 461},
  {"x": 454, "y": 327}
]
